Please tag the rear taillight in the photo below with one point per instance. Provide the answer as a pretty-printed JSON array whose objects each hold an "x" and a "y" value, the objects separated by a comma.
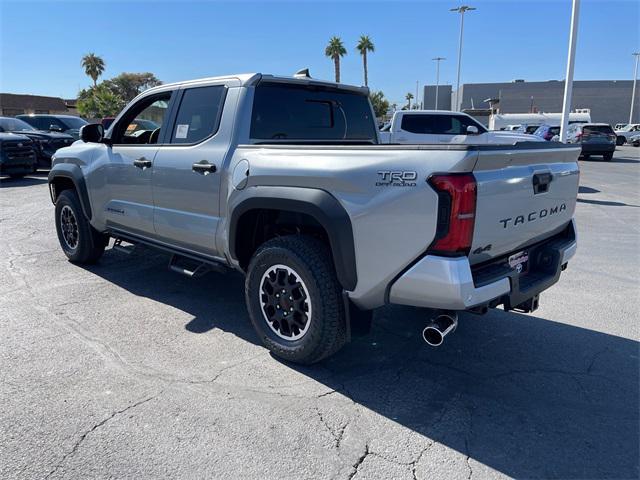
[{"x": 456, "y": 213}]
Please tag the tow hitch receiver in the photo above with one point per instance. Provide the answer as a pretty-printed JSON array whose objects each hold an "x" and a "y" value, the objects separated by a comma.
[{"x": 529, "y": 305}]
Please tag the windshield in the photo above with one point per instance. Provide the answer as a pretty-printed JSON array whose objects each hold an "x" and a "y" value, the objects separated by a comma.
[
  {"x": 627, "y": 128},
  {"x": 14, "y": 125},
  {"x": 73, "y": 122},
  {"x": 284, "y": 112}
]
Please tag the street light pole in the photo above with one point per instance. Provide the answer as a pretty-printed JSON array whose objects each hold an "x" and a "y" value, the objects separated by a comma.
[
  {"x": 461, "y": 10},
  {"x": 633, "y": 92},
  {"x": 568, "y": 80},
  {"x": 437, "y": 60}
]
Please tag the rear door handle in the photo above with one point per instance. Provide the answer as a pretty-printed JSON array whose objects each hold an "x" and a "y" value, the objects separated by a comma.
[
  {"x": 142, "y": 163},
  {"x": 203, "y": 167}
]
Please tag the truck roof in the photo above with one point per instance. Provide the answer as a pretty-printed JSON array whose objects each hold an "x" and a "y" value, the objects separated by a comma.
[
  {"x": 250, "y": 79},
  {"x": 432, "y": 112}
]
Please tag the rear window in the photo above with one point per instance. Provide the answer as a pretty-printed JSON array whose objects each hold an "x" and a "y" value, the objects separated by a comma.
[
  {"x": 597, "y": 129},
  {"x": 301, "y": 112}
]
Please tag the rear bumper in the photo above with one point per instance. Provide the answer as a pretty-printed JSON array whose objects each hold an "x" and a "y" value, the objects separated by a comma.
[
  {"x": 453, "y": 284},
  {"x": 597, "y": 148}
]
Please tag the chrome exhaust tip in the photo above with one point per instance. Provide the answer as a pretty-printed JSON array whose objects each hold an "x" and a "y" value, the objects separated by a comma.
[{"x": 441, "y": 326}]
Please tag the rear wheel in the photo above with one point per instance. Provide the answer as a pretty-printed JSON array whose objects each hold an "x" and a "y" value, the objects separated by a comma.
[
  {"x": 80, "y": 242},
  {"x": 294, "y": 299},
  {"x": 607, "y": 157},
  {"x": 586, "y": 157}
]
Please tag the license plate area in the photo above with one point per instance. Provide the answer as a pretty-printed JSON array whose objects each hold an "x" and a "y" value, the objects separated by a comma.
[{"x": 519, "y": 262}]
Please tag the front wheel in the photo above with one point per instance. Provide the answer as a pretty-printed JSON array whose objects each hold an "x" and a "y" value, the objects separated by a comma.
[
  {"x": 607, "y": 157},
  {"x": 80, "y": 242},
  {"x": 295, "y": 300},
  {"x": 620, "y": 141}
]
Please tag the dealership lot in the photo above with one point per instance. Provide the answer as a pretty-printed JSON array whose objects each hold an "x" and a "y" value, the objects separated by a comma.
[{"x": 125, "y": 369}]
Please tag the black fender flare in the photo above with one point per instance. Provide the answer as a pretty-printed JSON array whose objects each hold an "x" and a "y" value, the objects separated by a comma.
[
  {"x": 71, "y": 172},
  {"x": 319, "y": 204}
]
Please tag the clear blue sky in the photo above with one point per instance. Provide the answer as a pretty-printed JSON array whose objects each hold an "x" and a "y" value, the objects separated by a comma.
[{"x": 42, "y": 42}]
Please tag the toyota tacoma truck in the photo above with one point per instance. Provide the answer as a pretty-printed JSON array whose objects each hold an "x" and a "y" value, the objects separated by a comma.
[{"x": 284, "y": 179}]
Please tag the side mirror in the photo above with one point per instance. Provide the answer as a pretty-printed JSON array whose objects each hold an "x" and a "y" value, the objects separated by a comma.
[
  {"x": 92, "y": 133},
  {"x": 55, "y": 128},
  {"x": 472, "y": 130}
]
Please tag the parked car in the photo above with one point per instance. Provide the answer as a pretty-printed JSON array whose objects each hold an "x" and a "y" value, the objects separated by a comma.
[
  {"x": 44, "y": 143},
  {"x": 17, "y": 156},
  {"x": 444, "y": 126},
  {"x": 528, "y": 128},
  {"x": 69, "y": 124},
  {"x": 624, "y": 134},
  {"x": 547, "y": 132},
  {"x": 283, "y": 179},
  {"x": 594, "y": 138}
]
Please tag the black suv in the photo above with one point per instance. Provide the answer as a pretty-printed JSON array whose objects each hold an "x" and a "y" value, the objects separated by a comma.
[
  {"x": 17, "y": 156},
  {"x": 45, "y": 144},
  {"x": 69, "y": 124}
]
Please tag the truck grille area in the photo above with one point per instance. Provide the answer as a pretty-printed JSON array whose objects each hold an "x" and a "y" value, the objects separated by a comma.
[{"x": 15, "y": 151}]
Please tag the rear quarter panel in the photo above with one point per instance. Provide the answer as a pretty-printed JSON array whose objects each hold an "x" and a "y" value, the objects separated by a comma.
[{"x": 392, "y": 224}]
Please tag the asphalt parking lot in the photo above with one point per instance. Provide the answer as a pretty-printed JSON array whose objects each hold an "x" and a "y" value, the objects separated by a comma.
[{"x": 127, "y": 370}]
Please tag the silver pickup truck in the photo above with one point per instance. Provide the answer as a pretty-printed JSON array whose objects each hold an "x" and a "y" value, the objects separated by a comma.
[{"x": 284, "y": 179}]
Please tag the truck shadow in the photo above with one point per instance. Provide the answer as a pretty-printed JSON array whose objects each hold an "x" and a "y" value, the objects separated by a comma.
[{"x": 523, "y": 395}]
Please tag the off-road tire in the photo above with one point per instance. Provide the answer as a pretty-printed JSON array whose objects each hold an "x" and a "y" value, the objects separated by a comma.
[
  {"x": 312, "y": 261},
  {"x": 607, "y": 157},
  {"x": 90, "y": 243}
]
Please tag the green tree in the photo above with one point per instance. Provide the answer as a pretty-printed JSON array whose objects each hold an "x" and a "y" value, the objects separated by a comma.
[
  {"x": 99, "y": 102},
  {"x": 93, "y": 66},
  {"x": 380, "y": 104},
  {"x": 409, "y": 97},
  {"x": 364, "y": 46},
  {"x": 129, "y": 85},
  {"x": 335, "y": 50}
]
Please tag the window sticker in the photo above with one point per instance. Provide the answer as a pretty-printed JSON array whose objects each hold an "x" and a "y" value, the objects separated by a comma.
[{"x": 182, "y": 131}]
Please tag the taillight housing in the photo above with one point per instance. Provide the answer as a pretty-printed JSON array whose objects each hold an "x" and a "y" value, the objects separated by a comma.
[{"x": 456, "y": 213}]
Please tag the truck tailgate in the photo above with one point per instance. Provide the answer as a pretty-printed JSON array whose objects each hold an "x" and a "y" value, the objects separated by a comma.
[{"x": 524, "y": 194}]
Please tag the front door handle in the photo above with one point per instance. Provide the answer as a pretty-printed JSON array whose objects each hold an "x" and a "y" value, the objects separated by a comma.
[
  {"x": 142, "y": 163},
  {"x": 203, "y": 167}
]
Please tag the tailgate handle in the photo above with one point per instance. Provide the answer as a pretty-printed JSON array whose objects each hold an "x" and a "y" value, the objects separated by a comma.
[{"x": 541, "y": 182}]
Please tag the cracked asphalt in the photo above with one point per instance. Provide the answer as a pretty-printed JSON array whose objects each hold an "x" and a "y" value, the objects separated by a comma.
[{"x": 126, "y": 370}]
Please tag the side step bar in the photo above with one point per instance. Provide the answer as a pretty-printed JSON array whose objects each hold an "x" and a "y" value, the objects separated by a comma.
[
  {"x": 127, "y": 249},
  {"x": 192, "y": 268}
]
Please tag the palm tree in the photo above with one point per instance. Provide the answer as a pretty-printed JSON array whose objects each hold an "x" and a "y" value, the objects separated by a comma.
[
  {"x": 93, "y": 66},
  {"x": 365, "y": 45},
  {"x": 408, "y": 97},
  {"x": 335, "y": 49}
]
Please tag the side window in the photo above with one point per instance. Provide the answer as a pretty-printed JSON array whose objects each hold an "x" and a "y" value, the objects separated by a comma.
[
  {"x": 421, "y": 124},
  {"x": 42, "y": 123},
  {"x": 199, "y": 114},
  {"x": 141, "y": 124}
]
